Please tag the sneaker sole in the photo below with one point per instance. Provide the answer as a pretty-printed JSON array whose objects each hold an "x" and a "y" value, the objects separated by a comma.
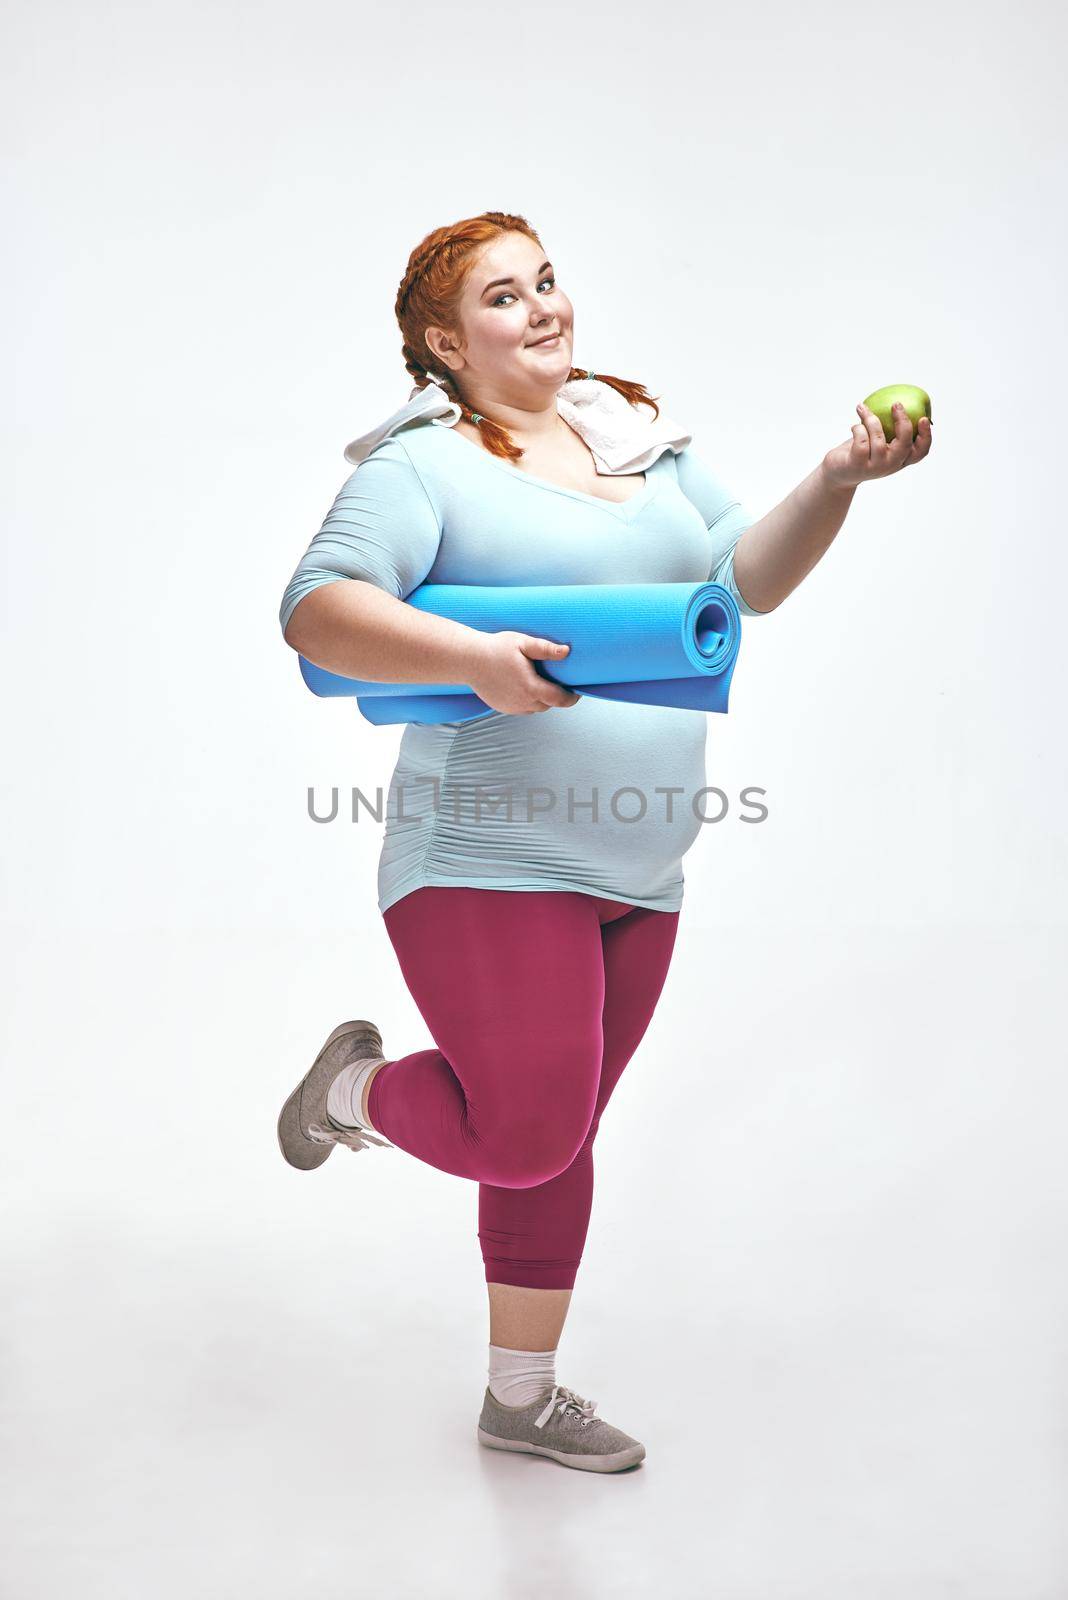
[
  {"x": 613, "y": 1463},
  {"x": 301, "y": 1152}
]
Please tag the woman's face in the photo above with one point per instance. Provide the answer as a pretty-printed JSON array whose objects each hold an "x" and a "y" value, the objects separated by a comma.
[{"x": 496, "y": 356}]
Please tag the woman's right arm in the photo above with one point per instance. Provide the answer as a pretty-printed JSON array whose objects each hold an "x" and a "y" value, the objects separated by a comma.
[
  {"x": 358, "y": 630},
  {"x": 344, "y": 610}
]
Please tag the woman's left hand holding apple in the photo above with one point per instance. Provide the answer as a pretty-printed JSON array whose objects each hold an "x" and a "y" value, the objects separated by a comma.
[{"x": 868, "y": 455}]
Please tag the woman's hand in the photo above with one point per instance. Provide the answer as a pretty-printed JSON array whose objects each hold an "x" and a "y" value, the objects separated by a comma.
[
  {"x": 503, "y": 675},
  {"x": 868, "y": 455}
]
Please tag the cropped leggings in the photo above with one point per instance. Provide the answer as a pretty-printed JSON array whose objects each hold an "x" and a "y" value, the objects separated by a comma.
[{"x": 536, "y": 1000}]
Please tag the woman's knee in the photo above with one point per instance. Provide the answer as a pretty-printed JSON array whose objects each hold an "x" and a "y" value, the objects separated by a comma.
[{"x": 524, "y": 1151}]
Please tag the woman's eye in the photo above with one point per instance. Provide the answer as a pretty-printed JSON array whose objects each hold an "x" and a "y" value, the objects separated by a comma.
[{"x": 508, "y": 295}]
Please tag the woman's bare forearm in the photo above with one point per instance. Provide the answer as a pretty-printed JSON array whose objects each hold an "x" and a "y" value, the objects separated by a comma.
[
  {"x": 775, "y": 554},
  {"x": 357, "y": 630}
]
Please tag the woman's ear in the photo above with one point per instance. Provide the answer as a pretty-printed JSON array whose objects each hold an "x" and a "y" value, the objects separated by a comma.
[{"x": 444, "y": 348}]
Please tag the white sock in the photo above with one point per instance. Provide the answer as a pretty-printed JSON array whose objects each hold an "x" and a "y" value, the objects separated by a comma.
[
  {"x": 345, "y": 1098},
  {"x": 518, "y": 1377}
]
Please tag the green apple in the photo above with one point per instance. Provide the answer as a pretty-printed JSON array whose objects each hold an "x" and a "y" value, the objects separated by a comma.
[{"x": 917, "y": 403}]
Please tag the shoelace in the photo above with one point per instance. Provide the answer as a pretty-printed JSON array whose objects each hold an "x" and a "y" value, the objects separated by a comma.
[
  {"x": 567, "y": 1403},
  {"x": 352, "y": 1138}
]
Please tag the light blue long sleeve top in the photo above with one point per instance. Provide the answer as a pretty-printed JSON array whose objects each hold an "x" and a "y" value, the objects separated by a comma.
[{"x": 544, "y": 801}]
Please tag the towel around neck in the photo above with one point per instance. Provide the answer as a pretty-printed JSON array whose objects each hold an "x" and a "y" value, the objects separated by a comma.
[{"x": 622, "y": 438}]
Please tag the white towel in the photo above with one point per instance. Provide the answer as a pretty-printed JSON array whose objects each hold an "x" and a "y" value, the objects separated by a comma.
[{"x": 622, "y": 438}]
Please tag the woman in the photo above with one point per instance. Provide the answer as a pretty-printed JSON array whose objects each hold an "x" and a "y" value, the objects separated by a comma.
[{"x": 534, "y": 935}]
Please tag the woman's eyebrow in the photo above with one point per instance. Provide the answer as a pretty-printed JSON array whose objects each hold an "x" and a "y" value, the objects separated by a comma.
[{"x": 546, "y": 265}]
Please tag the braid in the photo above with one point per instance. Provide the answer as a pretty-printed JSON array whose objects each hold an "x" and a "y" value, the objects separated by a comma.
[
  {"x": 414, "y": 366},
  {"x": 417, "y": 265},
  {"x": 427, "y": 296}
]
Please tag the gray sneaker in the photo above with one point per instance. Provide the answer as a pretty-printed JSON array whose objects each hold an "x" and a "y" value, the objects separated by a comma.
[
  {"x": 306, "y": 1133},
  {"x": 561, "y": 1425}
]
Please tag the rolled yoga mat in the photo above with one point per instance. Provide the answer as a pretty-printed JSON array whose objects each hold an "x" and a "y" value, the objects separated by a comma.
[{"x": 665, "y": 644}]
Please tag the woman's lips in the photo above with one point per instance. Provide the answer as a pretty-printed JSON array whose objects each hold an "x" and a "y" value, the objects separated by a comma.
[{"x": 545, "y": 344}]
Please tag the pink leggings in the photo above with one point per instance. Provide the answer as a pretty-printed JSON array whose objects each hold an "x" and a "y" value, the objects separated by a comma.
[{"x": 536, "y": 1001}]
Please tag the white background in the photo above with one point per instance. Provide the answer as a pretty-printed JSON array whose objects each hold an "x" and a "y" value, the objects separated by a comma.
[{"x": 824, "y": 1280}]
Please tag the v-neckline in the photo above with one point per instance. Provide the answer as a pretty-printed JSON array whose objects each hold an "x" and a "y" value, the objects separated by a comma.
[{"x": 624, "y": 509}]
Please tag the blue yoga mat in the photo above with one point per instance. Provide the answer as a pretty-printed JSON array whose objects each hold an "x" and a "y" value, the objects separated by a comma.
[{"x": 665, "y": 644}]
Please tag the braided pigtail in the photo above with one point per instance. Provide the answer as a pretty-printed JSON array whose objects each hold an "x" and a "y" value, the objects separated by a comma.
[
  {"x": 635, "y": 393},
  {"x": 498, "y": 440},
  {"x": 428, "y": 295}
]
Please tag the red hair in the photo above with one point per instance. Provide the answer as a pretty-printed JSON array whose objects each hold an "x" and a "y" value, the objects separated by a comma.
[{"x": 429, "y": 296}]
